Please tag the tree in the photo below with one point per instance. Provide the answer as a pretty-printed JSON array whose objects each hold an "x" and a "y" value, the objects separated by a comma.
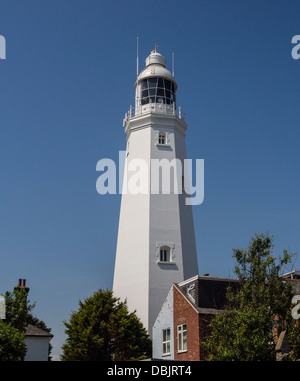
[
  {"x": 103, "y": 329},
  {"x": 260, "y": 306},
  {"x": 12, "y": 329},
  {"x": 12, "y": 346}
]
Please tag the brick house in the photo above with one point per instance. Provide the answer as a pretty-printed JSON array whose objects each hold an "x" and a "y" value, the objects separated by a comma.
[{"x": 182, "y": 323}]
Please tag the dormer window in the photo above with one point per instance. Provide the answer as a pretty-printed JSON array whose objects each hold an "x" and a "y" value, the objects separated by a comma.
[{"x": 191, "y": 291}]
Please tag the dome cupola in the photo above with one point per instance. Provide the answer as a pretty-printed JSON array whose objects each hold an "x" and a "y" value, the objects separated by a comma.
[{"x": 155, "y": 84}]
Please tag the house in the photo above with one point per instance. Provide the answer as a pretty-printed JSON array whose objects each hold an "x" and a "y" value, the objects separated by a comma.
[
  {"x": 294, "y": 278},
  {"x": 182, "y": 323},
  {"x": 37, "y": 342}
]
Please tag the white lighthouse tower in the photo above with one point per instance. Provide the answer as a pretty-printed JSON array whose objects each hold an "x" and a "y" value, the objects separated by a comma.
[{"x": 156, "y": 241}]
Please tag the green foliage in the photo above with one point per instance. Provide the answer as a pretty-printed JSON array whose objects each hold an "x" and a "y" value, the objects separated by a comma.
[
  {"x": 103, "y": 329},
  {"x": 12, "y": 329},
  {"x": 245, "y": 330},
  {"x": 12, "y": 346},
  {"x": 17, "y": 308}
]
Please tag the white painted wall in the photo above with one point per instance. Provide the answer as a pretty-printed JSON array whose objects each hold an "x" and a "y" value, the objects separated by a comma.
[
  {"x": 163, "y": 321},
  {"x": 131, "y": 275},
  {"x": 150, "y": 220},
  {"x": 37, "y": 348}
]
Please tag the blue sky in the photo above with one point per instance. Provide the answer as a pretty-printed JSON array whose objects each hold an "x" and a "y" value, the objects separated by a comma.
[{"x": 65, "y": 85}]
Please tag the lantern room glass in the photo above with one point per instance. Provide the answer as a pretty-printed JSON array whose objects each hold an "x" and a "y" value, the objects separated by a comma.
[{"x": 157, "y": 90}]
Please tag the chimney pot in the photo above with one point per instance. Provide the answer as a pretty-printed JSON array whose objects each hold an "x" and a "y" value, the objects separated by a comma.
[
  {"x": 24, "y": 282},
  {"x": 20, "y": 283}
]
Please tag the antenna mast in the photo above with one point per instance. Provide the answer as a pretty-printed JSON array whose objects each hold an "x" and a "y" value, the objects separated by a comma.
[
  {"x": 137, "y": 55},
  {"x": 173, "y": 64}
]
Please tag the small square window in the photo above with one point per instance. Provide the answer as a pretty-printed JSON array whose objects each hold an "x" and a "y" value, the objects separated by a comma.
[
  {"x": 164, "y": 255},
  {"x": 162, "y": 139}
]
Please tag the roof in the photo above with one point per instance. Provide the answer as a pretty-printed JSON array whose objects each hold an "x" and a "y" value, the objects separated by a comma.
[
  {"x": 209, "y": 292},
  {"x": 155, "y": 67},
  {"x": 295, "y": 275},
  {"x": 32, "y": 330}
]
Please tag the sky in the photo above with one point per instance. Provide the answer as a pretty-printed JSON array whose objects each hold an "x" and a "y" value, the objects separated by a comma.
[{"x": 66, "y": 83}]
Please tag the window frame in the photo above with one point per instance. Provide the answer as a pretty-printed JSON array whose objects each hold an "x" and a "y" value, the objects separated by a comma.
[
  {"x": 164, "y": 254},
  {"x": 191, "y": 291},
  {"x": 162, "y": 138},
  {"x": 181, "y": 334},
  {"x": 157, "y": 90},
  {"x": 169, "y": 247},
  {"x": 166, "y": 341}
]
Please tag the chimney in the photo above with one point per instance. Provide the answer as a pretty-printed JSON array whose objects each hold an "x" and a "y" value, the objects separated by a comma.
[{"x": 22, "y": 284}]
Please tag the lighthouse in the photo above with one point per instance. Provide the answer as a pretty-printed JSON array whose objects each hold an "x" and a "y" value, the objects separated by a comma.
[{"x": 156, "y": 241}]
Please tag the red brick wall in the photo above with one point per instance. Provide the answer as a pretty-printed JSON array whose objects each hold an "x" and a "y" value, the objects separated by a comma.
[{"x": 183, "y": 312}]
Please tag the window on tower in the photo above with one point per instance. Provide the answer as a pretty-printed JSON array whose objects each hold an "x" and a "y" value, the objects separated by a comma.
[
  {"x": 157, "y": 90},
  {"x": 164, "y": 255},
  {"x": 162, "y": 138}
]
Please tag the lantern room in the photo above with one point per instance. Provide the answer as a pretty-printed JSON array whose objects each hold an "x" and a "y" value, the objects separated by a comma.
[{"x": 155, "y": 84}]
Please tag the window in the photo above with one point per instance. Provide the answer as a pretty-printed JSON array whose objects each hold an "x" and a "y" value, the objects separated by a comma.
[
  {"x": 164, "y": 255},
  {"x": 191, "y": 291},
  {"x": 157, "y": 90},
  {"x": 166, "y": 341},
  {"x": 162, "y": 138},
  {"x": 181, "y": 338}
]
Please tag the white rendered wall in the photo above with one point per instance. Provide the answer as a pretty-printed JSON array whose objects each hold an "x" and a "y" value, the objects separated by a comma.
[
  {"x": 131, "y": 277},
  {"x": 37, "y": 348},
  {"x": 170, "y": 222},
  {"x": 148, "y": 221},
  {"x": 163, "y": 321}
]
